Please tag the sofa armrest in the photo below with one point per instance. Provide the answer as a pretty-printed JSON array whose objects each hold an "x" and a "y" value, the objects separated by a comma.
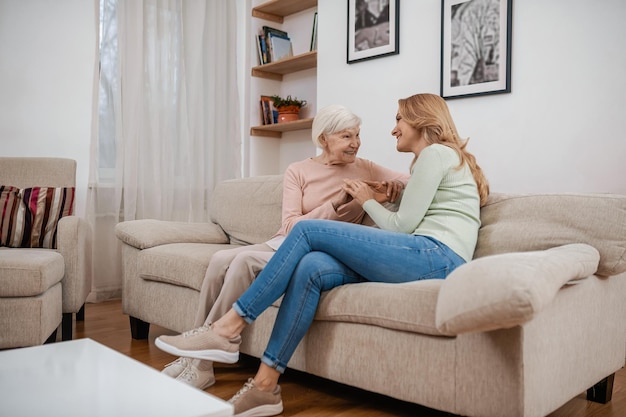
[
  {"x": 147, "y": 233},
  {"x": 505, "y": 290},
  {"x": 74, "y": 242}
]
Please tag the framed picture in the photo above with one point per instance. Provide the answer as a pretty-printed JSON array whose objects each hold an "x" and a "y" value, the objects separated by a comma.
[
  {"x": 373, "y": 29},
  {"x": 475, "y": 47}
]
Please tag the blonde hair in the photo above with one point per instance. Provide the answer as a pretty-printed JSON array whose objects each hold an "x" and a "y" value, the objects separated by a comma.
[
  {"x": 332, "y": 119},
  {"x": 429, "y": 114}
]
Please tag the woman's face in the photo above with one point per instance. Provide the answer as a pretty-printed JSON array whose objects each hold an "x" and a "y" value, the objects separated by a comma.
[
  {"x": 341, "y": 147},
  {"x": 408, "y": 138}
]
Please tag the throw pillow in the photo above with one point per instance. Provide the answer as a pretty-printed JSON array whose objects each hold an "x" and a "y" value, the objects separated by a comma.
[
  {"x": 46, "y": 206},
  {"x": 30, "y": 216},
  {"x": 505, "y": 290},
  {"x": 13, "y": 232}
]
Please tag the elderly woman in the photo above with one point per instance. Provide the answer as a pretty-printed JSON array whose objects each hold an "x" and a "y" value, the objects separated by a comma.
[{"x": 312, "y": 189}]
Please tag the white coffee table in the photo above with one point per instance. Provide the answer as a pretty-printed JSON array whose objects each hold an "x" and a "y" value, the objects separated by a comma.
[{"x": 84, "y": 378}]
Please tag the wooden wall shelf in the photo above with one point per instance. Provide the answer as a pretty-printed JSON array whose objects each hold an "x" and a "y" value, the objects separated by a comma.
[
  {"x": 276, "y": 130},
  {"x": 276, "y": 10},
  {"x": 276, "y": 70}
]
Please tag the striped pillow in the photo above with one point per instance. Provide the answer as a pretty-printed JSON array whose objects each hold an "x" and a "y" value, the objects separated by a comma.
[
  {"x": 38, "y": 212},
  {"x": 12, "y": 222}
]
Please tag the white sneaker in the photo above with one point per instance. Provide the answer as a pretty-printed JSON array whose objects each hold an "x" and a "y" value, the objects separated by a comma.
[
  {"x": 201, "y": 343},
  {"x": 195, "y": 377},
  {"x": 176, "y": 367}
]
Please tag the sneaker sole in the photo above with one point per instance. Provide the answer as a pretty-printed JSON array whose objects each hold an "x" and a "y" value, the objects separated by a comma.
[
  {"x": 214, "y": 355},
  {"x": 266, "y": 410}
]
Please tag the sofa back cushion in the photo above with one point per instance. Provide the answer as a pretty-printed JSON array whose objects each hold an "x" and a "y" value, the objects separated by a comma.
[
  {"x": 531, "y": 222},
  {"x": 248, "y": 209}
]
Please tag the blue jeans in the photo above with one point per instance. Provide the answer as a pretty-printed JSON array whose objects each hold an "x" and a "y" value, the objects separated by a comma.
[{"x": 319, "y": 255}]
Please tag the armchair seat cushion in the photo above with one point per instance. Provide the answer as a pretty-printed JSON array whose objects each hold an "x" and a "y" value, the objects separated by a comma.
[{"x": 29, "y": 272}]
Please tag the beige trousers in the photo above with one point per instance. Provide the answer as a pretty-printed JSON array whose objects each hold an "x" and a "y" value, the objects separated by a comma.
[{"x": 229, "y": 274}]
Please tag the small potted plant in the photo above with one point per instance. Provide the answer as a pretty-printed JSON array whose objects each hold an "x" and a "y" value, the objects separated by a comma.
[{"x": 288, "y": 108}]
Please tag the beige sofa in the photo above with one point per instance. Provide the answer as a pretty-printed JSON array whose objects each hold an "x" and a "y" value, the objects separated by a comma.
[
  {"x": 41, "y": 286},
  {"x": 536, "y": 319}
]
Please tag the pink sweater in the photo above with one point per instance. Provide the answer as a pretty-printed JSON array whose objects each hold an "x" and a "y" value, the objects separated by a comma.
[{"x": 309, "y": 187}]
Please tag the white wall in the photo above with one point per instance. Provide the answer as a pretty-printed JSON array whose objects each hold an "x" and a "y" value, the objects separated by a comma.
[
  {"x": 47, "y": 62},
  {"x": 559, "y": 130}
]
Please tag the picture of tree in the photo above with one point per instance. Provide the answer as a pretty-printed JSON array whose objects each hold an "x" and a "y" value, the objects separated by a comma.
[{"x": 475, "y": 42}]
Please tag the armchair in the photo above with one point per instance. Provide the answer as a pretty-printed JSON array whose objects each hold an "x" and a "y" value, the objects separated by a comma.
[{"x": 66, "y": 269}]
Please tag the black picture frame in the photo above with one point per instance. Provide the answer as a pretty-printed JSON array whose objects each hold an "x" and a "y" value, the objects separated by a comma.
[
  {"x": 373, "y": 33},
  {"x": 475, "y": 47}
]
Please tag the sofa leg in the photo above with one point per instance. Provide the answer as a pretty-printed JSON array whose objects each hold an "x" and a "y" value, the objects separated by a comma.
[
  {"x": 66, "y": 327},
  {"x": 602, "y": 391},
  {"x": 138, "y": 328},
  {"x": 80, "y": 315}
]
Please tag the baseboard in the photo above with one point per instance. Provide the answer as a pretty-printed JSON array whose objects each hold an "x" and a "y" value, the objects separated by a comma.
[{"x": 99, "y": 296}]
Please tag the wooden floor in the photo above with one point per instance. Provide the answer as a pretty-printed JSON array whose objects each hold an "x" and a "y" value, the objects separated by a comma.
[{"x": 303, "y": 395}]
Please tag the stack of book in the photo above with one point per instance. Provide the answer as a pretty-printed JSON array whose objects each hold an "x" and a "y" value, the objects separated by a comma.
[{"x": 273, "y": 45}]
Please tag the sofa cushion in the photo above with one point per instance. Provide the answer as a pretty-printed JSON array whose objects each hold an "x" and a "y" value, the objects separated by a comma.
[
  {"x": 407, "y": 307},
  {"x": 182, "y": 264},
  {"x": 29, "y": 272},
  {"x": 248, "y": 209},
  {"x": 502, "y": 291},
  {"x": 521, "y": 223},
  {"x": 32, "y": 221},
  {"x": 13, "y": 213},
  {"x": 46, "y": 205}
]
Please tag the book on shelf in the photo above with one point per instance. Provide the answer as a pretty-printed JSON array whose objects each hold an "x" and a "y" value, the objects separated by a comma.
[
  {"x": 314, "y": 34},
  {"x": 262, "y": 48},
  {"x": 267, "y": 30},
  {"x": 267, "y": 110},
  {"x": 280, "y": 47},
  {"x": 259, "y": 49}
]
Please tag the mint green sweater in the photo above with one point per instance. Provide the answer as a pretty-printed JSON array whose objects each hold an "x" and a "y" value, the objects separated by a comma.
[{"x": 439, "y": 201}]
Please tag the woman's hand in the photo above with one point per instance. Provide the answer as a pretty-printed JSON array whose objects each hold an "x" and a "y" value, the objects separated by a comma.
[
  {"x": 360, "y": 191},
  {"x": 390, "y": 189}
]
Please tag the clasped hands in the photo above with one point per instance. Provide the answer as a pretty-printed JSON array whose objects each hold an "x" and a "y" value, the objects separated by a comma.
[{"x": 363, "y": 190}]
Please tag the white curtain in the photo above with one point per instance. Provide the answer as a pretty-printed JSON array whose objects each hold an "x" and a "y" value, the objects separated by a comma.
[{"x": 169, "y": 118}]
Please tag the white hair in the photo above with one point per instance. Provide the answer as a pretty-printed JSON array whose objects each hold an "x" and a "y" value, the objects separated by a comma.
[{"x": 332, "y": 119}]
